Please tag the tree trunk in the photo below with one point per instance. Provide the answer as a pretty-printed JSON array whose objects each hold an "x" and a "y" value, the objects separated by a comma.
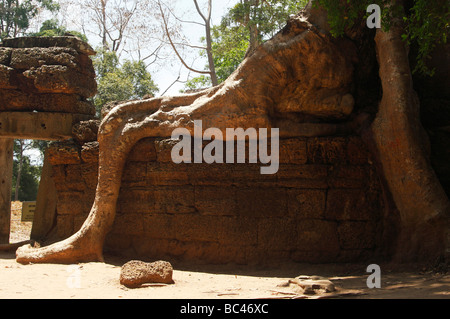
[
  {"x": 401, "y": 142},
  {"x": 19, "y": 172},
  {"x": 212, "y": 67},
  {"x": 207, "y": 20}
]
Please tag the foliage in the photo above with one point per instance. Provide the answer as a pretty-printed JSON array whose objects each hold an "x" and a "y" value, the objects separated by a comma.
[
  {"x": 426, "y": 22},
  {"x": 29, "y": 181},
  {"x": 267, "y": 16},
  {"x": 229, "y": 45},
  {"x": 116, "y": 82},
  {"x": 52, "y": 28},
  {"x": 428, "y": 25},
  {"x": 15, "y": 16},
  {"x": 29, "y": 172},
  {"x": 232, "y": 38}
]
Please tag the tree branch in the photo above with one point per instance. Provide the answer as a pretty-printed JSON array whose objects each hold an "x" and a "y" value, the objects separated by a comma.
[{"x": 173, "y": 45}]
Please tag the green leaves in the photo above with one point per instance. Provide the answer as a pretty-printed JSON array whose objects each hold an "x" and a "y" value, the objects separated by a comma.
[
  {"x": 427, "y": 27},
  {"x": 426, "y": 23},
  {"x": 15, "y": 15},
  {"x": 245, "y": 25},
  {"x": 129, "y": 81}
]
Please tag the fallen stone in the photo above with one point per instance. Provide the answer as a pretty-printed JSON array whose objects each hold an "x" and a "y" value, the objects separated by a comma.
[
  {"x": 311, "y": 285},
  {"x": 86, "y": 131},
  {"x": 135, "y": 273}
]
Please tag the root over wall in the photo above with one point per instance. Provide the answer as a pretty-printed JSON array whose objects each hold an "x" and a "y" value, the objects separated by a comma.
[{"x": 323, "y": 205}]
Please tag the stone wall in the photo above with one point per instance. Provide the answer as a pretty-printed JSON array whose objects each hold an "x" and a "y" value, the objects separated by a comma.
[
  {"x": 323, "y": 205},
  {"x": 46, "y": 74}
]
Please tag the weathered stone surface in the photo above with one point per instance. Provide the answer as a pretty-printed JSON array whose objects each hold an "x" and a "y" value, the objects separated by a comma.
[
  {"x": 46, "y": 74},
  {"x": 24, "y": 59},
  {"x": 60, "y": 153},
  {"x": 38, "y": 125},
  {"x": 5, "y": 77},
  {"x": 85, "y": 131},
  {"x": 20, "y": 101},
  {"x": 89, "y": 152},
  {"x": 311, "y": 285},
  {"x": 221, "y": 213},
  {"x": 48, "y": 42},
  {"x": 5, "y": 55},
  {"x": 60, "y": 79},
  {"x": 135, "y": 273}
]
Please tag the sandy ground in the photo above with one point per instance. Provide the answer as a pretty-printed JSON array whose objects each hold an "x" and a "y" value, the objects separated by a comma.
[
  {"x": 101, "y": 281},
  {"x": 196, "y": 281}
]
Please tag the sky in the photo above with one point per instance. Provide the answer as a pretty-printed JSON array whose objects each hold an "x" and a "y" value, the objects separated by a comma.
[
  {"x": 165, "y": 77},
  {"x": 165, "y": 73}
]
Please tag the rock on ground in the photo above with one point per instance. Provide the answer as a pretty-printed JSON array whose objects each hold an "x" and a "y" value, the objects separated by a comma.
[{"x": 136, "y": 273}]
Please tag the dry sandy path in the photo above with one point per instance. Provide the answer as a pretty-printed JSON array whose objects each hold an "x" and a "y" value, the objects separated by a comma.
[{"x": 101, "y": 281}]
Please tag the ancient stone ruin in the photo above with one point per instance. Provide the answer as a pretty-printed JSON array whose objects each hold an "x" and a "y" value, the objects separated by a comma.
[
  {"x": 112, "y": 185},
  {"x": 44, "y": 87}
]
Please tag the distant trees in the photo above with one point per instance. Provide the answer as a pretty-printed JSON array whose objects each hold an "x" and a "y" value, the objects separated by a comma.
[
  {"x": 244, "y": 27},
  {"x": 15, "y": 16},
  {"x": 52, "y": 28},
  {"x": 116, "y": 82},
  {"x": 26, "y": 174}
]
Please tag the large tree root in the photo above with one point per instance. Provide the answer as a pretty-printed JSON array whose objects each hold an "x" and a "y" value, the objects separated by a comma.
[{"x": 300, "y": 75}]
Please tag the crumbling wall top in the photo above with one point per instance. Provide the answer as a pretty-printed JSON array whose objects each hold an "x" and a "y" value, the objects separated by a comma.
[{"x": 47, "y": 74}]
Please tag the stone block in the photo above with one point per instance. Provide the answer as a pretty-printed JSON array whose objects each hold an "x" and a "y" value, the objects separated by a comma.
[
  {"x": 167, "y": 174},
  {"x": 139, "y": 201},
  {"x": 6, "y": 78},
  {"x": 317, "y": 235},
  {"x": 277, "y": 234},
  {"x": 348, "y": 204},
  {"x": 357, "y": 152},
  {"x": 90, "y": 153},
  {"x": 143, "y": 151},
  {"x": 61, "y": 79},
  {"x": 293, "y": 151},
  {"x": 215, "y": 201},
  {"x": 261, "y": 202},
  {"x": 174, "y": 200},
  {"x": 50, "y": 42},
  {"x": 160, "y": 226},
  {"x": 237, "y": 231},
  {"x": 128, "y": 224},
  {"x": 70, "y": 203},
  {"x": 327, "y": 150},
  {"x": 17, "y": 100},
  {"x": 303, "y": 176},
  {"x": 63, "y": 153},
  {"x": 190, "y": 227},
  {"x": 306, "y": 203},
  {"x": 348, "y": 176},
  {"x": 5, "y": 55},
  {"x": 357, "y": 235}
]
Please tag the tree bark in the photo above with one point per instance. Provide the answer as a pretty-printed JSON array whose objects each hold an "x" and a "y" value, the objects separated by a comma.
[
  {"x": 19, "y": 171},
  {"x": 207, "y": 20},
  {"x": 400, "y": 142},
  {"x": 6, "y": 164}
]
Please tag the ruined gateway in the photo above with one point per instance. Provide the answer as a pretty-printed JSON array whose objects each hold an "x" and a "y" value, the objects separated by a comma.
[{"x": 325, "y": 204}]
